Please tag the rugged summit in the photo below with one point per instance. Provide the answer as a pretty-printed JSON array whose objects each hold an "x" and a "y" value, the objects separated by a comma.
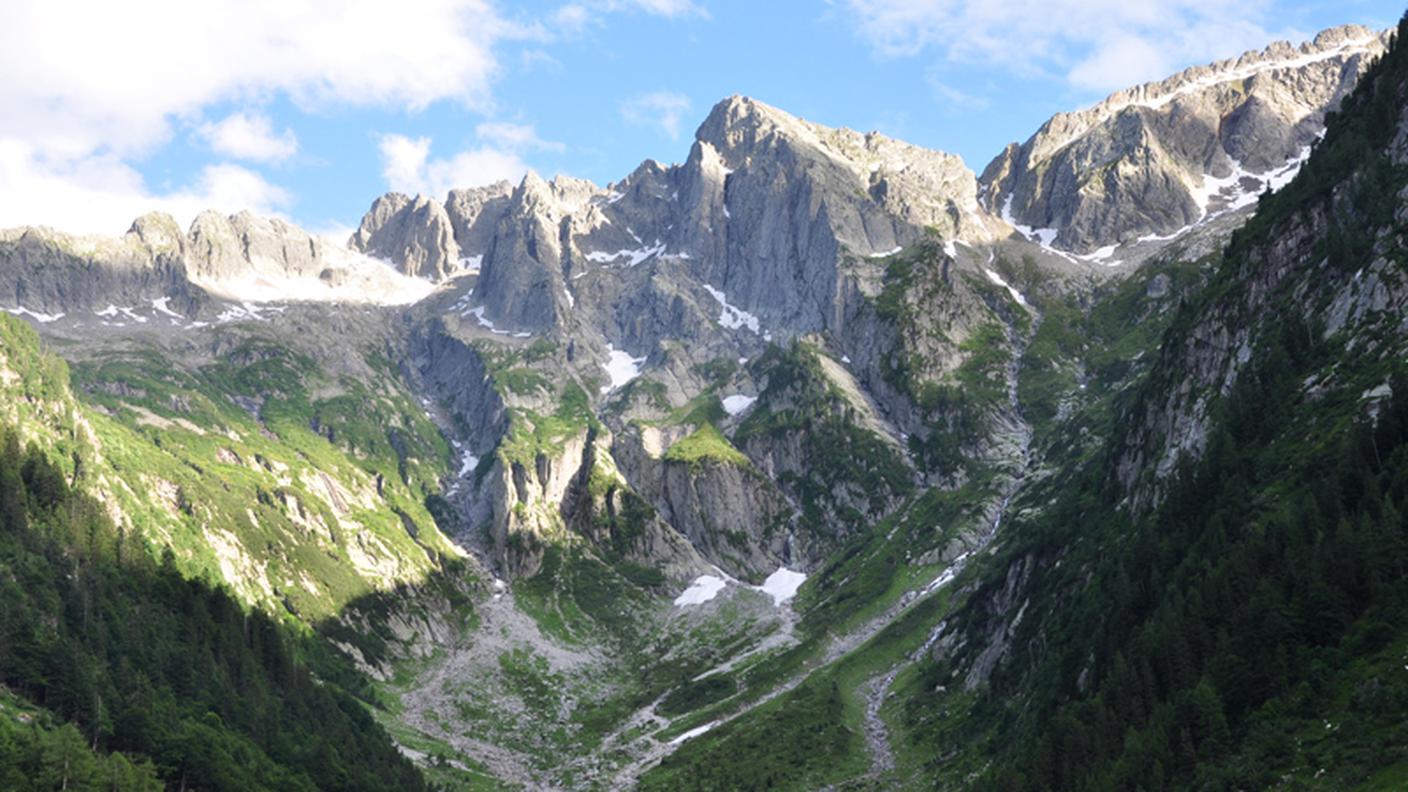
[
  {"x": 763, "y": 209},
  {"x": 1150, "y": 161},
  {"x": 239, "y": 258}
]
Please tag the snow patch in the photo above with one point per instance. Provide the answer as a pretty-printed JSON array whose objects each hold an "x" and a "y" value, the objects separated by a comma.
[
  {"x": 1042, "y": 236},
  {"x": 887, "y": 253},
  {"x": 782, "y": 585},
  {"x": 692, "y": 733},
  {"x": 731, "y": 316},
  {"x": 997, "y": 279},
  {"x": 161, "y": 305},
  {"x": 235, "y": 313},
  {"x": 621, "y": 368},
  {"x": 361, "y": 279},
  {"x": 737, "y": 403},
  {"x": 703, "y": 589},
  {"x": 633, "y": 257},
  {"x": 484, "y": 322},
  {"x": 1100, "y": 254},
  {"x": 42, "y": 318}
]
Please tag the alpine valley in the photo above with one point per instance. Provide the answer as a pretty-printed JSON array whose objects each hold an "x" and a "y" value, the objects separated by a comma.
[{"x": 817, "y": 461}]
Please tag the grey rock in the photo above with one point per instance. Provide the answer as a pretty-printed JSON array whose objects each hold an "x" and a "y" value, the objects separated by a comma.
[
  {"x": 1155, "y": 159},
  {"x": 416, "y": 234},
  {"x": 474, "y": 214}
]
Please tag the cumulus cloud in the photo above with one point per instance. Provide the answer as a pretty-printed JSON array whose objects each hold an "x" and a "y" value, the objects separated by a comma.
[
  {"x": 663, "y": 109},
  {"x": 85, "y": 104},
  {"x": 502, "y": 146},
  {"x": 249, "y": 136},
  {"x": 514, "y": 136},
  {"x": 1096, "y": 45},
  {"x": 119, "y": 78},
  {"x": 85, "y": 101},
  {"x": 408, "y": 167},
  {"x": 101, "y": 194}
]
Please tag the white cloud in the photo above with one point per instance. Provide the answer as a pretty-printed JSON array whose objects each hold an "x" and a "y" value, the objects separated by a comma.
[
  {"x": 954, "y": 99},
  {"x": 408, "y": 167},
  {"x": 102, "y": 195},
  {"x": 83, "y": 102},
  {"x": 1096, "y": 45},
  {"x": 249, "y": 136},
  {"x": 514, "y": 136},
  {"x": 574, "y": 17},
  {"x": 502, "y": 145},
  {"x": 665, "y": 8},
  {"x": 664, "y": 109},
  {"x": 118, "y": 79}
]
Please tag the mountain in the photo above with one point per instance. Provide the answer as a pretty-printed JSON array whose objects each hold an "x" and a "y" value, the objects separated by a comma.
[
  {"x": 1198, "y": 587},
  {"x": 1151, "y": 161},
  {"x": 803, "y": 463}
]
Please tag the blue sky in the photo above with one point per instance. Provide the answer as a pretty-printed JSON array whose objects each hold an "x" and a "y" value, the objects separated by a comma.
[{"x": 311, "y": 108}]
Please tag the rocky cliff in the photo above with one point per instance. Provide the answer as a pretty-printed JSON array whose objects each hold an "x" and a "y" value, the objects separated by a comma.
[{"x": 1153, "y": 160}]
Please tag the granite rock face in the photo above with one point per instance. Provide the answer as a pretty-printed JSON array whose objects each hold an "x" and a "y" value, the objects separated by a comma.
[
  {"x": 756, "y": 222},
  {"x": 1150, "y": 161},
  {"x": 416, "y": 233}
]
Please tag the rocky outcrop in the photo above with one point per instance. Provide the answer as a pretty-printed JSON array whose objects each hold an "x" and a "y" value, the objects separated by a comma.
[
  {"x": 1152, "y": 160},
  {"x": 224, "y": 248},
  {"x": 50, "y": 274},
  {"x": 414, "y": 233},
  {"x": 820, "y": 436},
  {"x": 526, "y": 496},
  {"x": 729, "y": 511},
  {"x": 157, "y": 272},
  {"x": 1299, "y": 268},
  {"x": 763, "y": 213},
  {"x": 798, "y": 196},
  {"x": 521, "y": 279},
  {"x": 474, "y": 214}
]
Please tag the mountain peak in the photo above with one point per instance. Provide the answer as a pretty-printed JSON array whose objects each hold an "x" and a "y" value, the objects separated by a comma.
[
  {"x": 741, "y": 121},
  {"x": 159, "y": 231},
  {"x": 1152, "y": 161}
]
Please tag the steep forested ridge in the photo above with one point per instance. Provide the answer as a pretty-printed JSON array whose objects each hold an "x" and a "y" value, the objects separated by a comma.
[
  {"x": 1237, "y": 621},
  {"x": 1250, "y": 629},
  {"x": 160, "y": 678}
]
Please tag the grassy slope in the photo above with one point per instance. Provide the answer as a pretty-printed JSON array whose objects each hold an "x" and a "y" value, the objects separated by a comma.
[{"x": 314, "y": 495}]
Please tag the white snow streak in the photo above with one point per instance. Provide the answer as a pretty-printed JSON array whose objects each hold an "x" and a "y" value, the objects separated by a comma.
[
  {"x": 997, "y": 279},
  {"x": 731, "y": 316},
  {"x": 36, "y": 315},
  {"x": 692, "y": 733},
  {"x": 633, "y": 257},
  {"x": 161, "y": 306}
]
